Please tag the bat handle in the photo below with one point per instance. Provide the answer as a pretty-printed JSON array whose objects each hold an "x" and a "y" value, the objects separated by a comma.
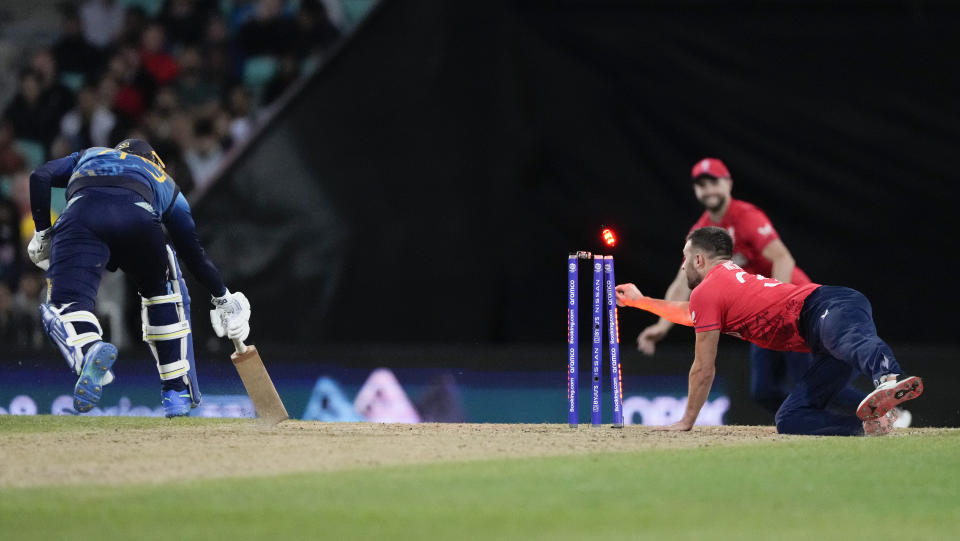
[{"x": 239, "y": 345}]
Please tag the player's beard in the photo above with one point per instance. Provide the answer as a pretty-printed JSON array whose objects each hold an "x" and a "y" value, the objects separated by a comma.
[
  {"x": 693, "y": 279},
  {"x": 714, "y": 203}
]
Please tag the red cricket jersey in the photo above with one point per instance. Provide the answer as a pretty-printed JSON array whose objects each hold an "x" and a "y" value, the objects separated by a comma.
[
  {"x": 749, "y": 306},
  {"x": 752, "y": 232}
]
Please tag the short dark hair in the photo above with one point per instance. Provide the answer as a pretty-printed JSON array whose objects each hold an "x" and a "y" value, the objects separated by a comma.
[{"x": 715, "y": 241}]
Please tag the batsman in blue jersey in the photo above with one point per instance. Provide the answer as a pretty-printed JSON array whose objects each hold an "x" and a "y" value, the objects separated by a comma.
[{"x": 124, "y": 211}]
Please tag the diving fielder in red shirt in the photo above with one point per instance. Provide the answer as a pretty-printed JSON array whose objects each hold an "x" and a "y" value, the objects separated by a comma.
[
  {"x": 758, "y": 249},
  {"x": 835, "y": 324}
]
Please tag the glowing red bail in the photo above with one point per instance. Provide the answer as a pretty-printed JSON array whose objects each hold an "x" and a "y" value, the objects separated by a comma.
[{"x": 608, "y": 237}]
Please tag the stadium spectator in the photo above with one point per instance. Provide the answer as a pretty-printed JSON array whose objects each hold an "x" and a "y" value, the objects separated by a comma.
[
  {"x": 34, "y": 114},
  {"x": 154, "y": 58},
  {"x": 102, "y": 22},
  {"x": 186, "y": 20},
  {"x": 10, "y": 244},
  {"x": 194, "y": 87},
  {"x": 20, "y": 195},
  {"x": 176, "y": 165},
  {"x": 72, "y": 51},
  {"x": 287, "y": 72},
  {"x": 107, "y": 90},
  {"x": 11, "y": 160},
  {"x": 30, "y": 292},
  {"x": 135, "y": 88},
  {"x": 316, "y": 32},
  {"x": 204, "y": 155},
  {"x": 134, "y": 22},
  {"x": 240, "y": 109},
  {"x": 9, "y": 329},
  {"x": 158, "y": 119},
  {"x": 88, "y": 124},
  {"x": 269, "y": 31}
]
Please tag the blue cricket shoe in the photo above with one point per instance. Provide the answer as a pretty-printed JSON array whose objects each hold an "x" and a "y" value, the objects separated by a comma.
[
  {"x": 175, "y": 403},
  {"x": 96, "y": 366}
]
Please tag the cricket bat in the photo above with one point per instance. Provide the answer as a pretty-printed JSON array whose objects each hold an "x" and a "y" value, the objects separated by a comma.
[{"x": 266, "y": 402}]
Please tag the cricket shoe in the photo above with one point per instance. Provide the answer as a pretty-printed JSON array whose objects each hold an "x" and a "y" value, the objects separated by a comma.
[
  {"x": 880, "y": 426},
  {"x": 95, "y": 374},
  {"x": 888, "y": 395},
  {"x": 175, "y": 403}
]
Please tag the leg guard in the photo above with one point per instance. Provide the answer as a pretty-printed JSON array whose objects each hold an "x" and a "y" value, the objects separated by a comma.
[
  {"x": 62, "y": 325},
  {"x": 166, "y": 329}
]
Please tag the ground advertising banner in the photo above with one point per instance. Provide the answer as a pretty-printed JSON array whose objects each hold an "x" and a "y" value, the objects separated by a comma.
[{"x": 328, "y": 391}]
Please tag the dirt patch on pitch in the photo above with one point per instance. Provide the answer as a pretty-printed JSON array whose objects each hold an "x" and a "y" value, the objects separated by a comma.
[{"x": 174, "y": 452}]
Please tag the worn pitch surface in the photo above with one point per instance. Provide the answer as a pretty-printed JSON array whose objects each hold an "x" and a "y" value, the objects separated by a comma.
[{"x": 141, "y": 452}]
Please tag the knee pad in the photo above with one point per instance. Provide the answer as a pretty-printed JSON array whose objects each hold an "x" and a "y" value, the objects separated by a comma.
[{"x": 180, "y": 363}]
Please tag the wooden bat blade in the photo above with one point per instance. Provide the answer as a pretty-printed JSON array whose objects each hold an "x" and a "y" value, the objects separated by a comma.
[{"x": 263, "y": 394}]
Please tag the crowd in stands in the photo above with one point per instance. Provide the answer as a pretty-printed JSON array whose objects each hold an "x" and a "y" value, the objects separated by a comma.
[{"x": 193, "y": 77}]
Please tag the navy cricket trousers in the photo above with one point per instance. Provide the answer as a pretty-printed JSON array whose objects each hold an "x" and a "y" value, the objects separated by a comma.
[
  {"x": 104, "y": 227},
  {"x": 773, "y": 374},
  {"x": 837, "y": 323},
  {"x": 101, "y": 226}
]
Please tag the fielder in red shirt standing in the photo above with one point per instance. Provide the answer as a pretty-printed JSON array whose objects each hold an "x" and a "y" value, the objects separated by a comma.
[
  {"x": 835, "y": 324},
  {"x": 759, "y": 250}
]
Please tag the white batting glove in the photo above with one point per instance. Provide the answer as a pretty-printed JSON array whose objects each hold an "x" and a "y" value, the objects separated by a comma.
[
  {"x": 39, "y": 249},
  {"x": 231, "y": 316}
]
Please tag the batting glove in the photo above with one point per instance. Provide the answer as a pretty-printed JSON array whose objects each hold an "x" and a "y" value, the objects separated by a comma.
[
  {"x": 231, "y": 316},
  {"x": 39, "y": 249}
]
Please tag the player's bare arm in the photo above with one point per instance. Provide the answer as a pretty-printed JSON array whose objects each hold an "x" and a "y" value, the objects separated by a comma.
[
  {"x": 701, "y": 379},
  {"x": 648, "y": 338},
  {"x": 783, "y": 264}
]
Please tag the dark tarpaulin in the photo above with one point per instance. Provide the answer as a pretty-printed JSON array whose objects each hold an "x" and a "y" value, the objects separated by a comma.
[{"x": 425, "y": 185}]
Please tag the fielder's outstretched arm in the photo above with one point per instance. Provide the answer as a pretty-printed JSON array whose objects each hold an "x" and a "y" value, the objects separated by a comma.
[
  {"x": 674, "y": 311},
  {"x": 701, "y": 379}
]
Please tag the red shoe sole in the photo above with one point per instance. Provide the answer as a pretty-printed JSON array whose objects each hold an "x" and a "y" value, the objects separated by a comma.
[{"x": 879, "y": 402}]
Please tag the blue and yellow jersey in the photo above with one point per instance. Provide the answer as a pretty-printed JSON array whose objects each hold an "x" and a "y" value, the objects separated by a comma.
[
  {"x": 111, "y": 163},
  {"x": 101, "y": 167}
]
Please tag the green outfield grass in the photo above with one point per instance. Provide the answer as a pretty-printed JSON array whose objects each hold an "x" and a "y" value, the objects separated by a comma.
[{"x": 821, "y": 488}]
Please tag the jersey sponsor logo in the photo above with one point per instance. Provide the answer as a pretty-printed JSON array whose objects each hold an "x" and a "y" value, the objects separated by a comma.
[
  {"x": 730, "y": 265},
  {"x": 742, "y": 274},
  {"x": 765, "y": 230}
]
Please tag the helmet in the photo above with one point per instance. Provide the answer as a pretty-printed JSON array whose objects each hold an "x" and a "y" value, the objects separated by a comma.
[{"x": 140, "y": 148}]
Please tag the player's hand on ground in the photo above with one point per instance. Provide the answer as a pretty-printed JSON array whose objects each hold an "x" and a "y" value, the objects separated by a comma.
[
  {"x": 39, "y": 249},
  {"x": 647, "y": 341},
  {"x": 679, "y": 426},
  {"x": 628, "y": 295},
  {"x": 231, "y": 316}
]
